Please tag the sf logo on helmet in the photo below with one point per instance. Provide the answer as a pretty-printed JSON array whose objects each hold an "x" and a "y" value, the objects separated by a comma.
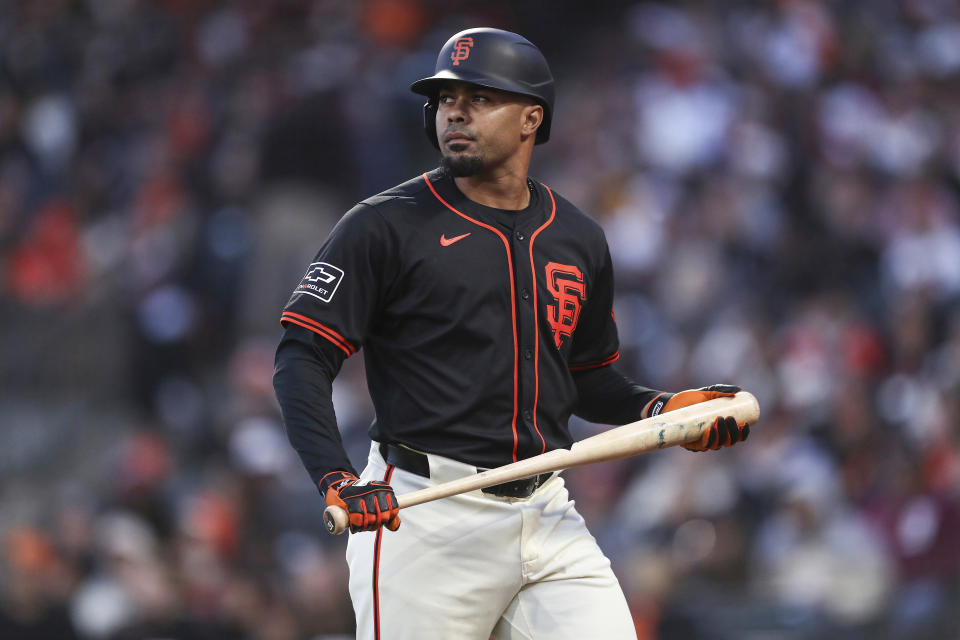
[{"x": 461, "y": 50}]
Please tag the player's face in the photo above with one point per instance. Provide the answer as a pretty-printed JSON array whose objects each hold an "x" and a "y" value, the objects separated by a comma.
[{"x": 479, "y": 129}]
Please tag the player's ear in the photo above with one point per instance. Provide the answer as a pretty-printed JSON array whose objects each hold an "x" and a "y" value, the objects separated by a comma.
[{"x": 532, "y": 118}]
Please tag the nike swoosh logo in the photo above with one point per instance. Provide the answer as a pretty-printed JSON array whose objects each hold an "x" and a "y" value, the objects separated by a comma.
[{"x": 445, "y": 241}]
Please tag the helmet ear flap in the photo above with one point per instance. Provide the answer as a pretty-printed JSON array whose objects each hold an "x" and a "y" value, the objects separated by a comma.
[{"x": 430, "y": 123}]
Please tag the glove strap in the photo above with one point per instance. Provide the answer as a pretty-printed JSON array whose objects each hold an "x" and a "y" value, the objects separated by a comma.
[
  {"x": 335, "y": 479},
  {"x": 658, "y": 403}
]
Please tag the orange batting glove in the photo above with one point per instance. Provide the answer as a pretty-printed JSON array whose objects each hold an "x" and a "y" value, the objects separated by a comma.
[
  {"x": 370, "y": 505},
  {"x": 724, "y": 432}
]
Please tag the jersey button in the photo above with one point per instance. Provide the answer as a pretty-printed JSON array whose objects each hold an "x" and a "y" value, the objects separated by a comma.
[
  {"x": 520, "y": 235},
  {"x": 528, "y": 354},
  {"x": 525, "y": 294},
  {"x": 527, "y": 415}
]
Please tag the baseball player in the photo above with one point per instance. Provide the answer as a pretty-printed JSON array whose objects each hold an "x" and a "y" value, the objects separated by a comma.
[{"x": 483, "y": 303}]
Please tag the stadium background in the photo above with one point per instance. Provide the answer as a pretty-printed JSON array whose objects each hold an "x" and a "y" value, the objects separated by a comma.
[{"x": 780, "y": 186}]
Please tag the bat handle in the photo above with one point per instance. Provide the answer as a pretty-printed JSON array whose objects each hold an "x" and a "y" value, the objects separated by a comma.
[{"x": 336, "y": 519}]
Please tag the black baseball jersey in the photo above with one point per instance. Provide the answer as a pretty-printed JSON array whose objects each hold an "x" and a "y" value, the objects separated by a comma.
[{"x": 473, "y": 320}]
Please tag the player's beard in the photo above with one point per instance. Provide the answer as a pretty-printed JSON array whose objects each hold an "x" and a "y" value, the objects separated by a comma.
[{"x": 462, "y": 165}]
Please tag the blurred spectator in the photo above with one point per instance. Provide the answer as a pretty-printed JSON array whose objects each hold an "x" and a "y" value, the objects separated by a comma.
[{"x": 36, "y": 588}]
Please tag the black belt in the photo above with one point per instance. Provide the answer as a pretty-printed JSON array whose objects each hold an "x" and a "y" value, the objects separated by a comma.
[{"x": 416, "y": 462}]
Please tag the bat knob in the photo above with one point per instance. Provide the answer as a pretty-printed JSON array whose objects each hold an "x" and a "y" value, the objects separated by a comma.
[{"x": 336, "y": 519}]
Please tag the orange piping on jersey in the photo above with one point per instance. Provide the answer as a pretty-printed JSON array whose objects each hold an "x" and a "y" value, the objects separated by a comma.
[
  {"x": 513, "y": 305},
  {"x": 320, "y": 333},
  {"x": 316, "y": 327},
  {"x": 325, "y": 328},
  {"x": 376, "y": 568},
  {"x": 536, "y": 322},
  {"x": 596, "y": 364}
]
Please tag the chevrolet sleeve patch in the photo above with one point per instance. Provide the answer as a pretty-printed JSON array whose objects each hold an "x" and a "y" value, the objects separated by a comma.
[{"x": 320, "y": 281}]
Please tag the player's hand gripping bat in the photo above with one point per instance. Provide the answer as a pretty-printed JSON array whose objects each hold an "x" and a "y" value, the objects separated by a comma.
[{"x": 665, "y": 430}]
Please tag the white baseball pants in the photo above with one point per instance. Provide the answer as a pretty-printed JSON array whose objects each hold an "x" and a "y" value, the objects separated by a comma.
[{"x": 476, "y": 566}]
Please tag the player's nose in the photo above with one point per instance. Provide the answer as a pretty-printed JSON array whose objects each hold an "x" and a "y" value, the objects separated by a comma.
[
  {"x": 455, "y": 113},
  {"x": 455, "y": 108}
]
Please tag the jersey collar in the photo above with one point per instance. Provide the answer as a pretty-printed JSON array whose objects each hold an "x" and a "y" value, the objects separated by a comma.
[{"x": 529, "y": 218}]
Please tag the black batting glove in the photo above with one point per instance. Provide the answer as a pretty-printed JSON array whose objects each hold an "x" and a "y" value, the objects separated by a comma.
[
  {"x": 369, "y": 505},
  {"x": 724, "y": 432}
]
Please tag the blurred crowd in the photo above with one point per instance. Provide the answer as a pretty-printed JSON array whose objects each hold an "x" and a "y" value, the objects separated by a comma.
[{"x": 780, "y": 186}]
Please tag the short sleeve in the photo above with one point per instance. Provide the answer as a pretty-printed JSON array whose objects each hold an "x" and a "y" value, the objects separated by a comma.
[
  {"x": 595, "y": 341},
  {"x": 341, "y": 290}
]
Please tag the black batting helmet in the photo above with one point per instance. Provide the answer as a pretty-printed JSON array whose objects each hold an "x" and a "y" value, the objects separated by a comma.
[{"x": 490, "y": 58}]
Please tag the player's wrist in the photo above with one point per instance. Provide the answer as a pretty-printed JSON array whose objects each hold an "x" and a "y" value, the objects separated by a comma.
[
  {"x": 336, "y": 480},
  {"x": 656, "y": 406}
]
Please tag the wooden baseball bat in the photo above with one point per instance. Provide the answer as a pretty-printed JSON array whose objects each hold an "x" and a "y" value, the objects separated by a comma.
[{"x": 665, "y": 430}]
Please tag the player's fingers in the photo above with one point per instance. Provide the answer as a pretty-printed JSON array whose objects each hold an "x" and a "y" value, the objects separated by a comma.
[
  {"x": 358, "y": 506},
  {"x": 722, "y": 389},
  {"x": 394, "y": 523},
  {"x": 721, "y": 434},
  {"x": 724, "y": 432},
  {"x": 730, "y": 432},
  {"x": 691, "y": 396},
  {"x": 390, "y": 507},
  {"x": 374, "y": 521},
  {"x": 356, "y": 522},
  {"x": 356, "y": 517},
  {"x": 385, "y": 500},
  {"x": 705, "y": 438},
  {"x": 390, "y": 516},
  {"x": 714, "y": 435},
  {"x": 718, "y": 435}
]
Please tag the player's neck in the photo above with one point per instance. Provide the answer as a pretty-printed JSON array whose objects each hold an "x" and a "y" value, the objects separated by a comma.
[{"x": 502, "y": 188}]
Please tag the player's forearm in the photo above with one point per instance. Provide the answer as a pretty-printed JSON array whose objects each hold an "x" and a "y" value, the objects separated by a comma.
[
  {"x": 606, "y": 396},
  {"x": 303, "y": 383}
]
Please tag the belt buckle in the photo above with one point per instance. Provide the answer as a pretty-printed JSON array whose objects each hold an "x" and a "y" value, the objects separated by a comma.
[
  {"x": 521, "y": 489},
  {"x": 536, "y": 483},
  {"x": 526, "y": 487}
]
